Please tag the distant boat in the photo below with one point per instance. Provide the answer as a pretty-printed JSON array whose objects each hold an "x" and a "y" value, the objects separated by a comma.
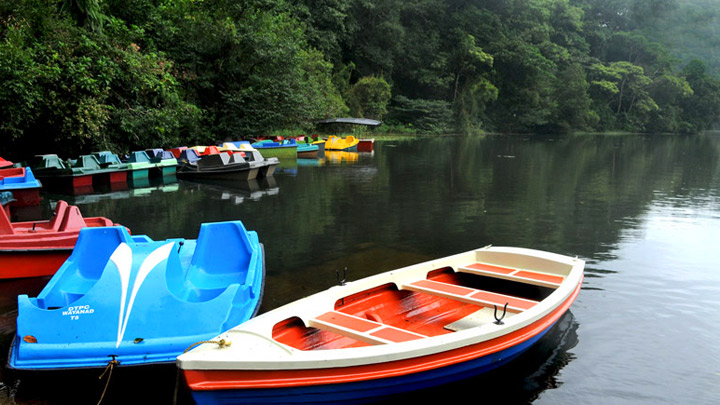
[
  {"x": 269, "y": 164},
  {"x": 220, "y": 166},
  {"x": 352, "y": 121},
  {"x": 203, "y": 150},
  {"x": 23, "y": 185},
  {"x": 307, "y": 151},
  {"x": 5, "y": 163},
  {"x": 103, "y": 173},
  {"x": 286, "y": 149},
  {"x": 139, "y": 165},
  {"x": 346, "y": 144},
  {"x": 410, "y": 328},
  {"x": 134, "y": 301},
  {"x": 177, "y": 150},
  {"x": 366, "y": 145},
  {"x": 39, "y": 248},
  {"x": 164, "y": 162},
  {"x": 83, "y": 172}
]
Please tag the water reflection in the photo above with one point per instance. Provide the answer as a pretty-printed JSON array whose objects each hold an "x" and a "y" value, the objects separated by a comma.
[
  {"x": 643, "y": 212},
  {"x": 235, "y": 191},
  {"x": 337, "y": 157}
]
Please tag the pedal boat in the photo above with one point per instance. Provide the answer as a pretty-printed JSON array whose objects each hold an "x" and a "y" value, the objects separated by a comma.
[
  {"x": 307, "y": 151},
  {"x": 56, "y": 173},
  {"x": 165, "y": 163},
  {"x": 347, "y": 144},
  {"x": 283, "y": 149},
  {"x": 4, "y": 164},
  {"x": 39, "y": 248},
  {"x": 220, "y": 166},
  {"x": 268, "y": 164},
  {"x": 134, "y": 301},
  {"x": 23, "y": 185},
  {"x": 139, "y": 165},
  {"x": 123, "y": 173},
  {"x": 415, "y": 327}
]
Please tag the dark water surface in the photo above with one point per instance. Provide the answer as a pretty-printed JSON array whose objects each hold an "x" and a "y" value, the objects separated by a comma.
[{"x": 642, "y": 211}]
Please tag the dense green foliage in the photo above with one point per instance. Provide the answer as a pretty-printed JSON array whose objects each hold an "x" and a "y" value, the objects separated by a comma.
[{"x": 81, "y": 75}]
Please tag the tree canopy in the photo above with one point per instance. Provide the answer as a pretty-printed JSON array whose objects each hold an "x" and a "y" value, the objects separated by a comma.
[{"x": 80, "y": 75}]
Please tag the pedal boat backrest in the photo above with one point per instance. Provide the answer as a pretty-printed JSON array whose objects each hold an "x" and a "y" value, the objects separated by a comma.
[
  {"x": 215, "y": 160},
  {"x": 84, "y": 267},
  {"x": 6, "y": 227},
  {"x": 188, "y": 156},
  {"x": 49, "y": 161},
  {"x": 225, "y": 254},
  {"x": 86, "y": 163},
  {"x": 138, "y": 156}
]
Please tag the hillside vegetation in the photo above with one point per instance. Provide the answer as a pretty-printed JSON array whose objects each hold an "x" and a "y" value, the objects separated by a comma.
[{"x": 83, "y": 75}]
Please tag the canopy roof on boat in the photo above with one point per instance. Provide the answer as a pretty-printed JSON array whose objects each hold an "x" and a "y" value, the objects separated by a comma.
[{"x": 354, "y": 121}]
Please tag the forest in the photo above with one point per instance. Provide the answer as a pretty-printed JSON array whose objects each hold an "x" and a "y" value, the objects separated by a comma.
[{"x": 84, "y": 75}]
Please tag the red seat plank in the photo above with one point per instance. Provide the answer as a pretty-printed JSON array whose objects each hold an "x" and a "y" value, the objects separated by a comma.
[
  {"x": 362, "y": 329},
  {"x": 518, "y": 275}
]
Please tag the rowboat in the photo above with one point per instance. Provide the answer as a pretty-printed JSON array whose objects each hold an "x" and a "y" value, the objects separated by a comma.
[
  {"x": 347, "y": 144},
  {"x": 366, "y": 145},
  {"x": 128, "y": 300},
  {"x": 286, "y": 149},
  {"x": 220, "y": 166},
  {"x": 39, "y": 248},
  {"x": 307, "y": 151},
  {"x": 414, "y": 327},
  {"x": 23, "y": 185}
]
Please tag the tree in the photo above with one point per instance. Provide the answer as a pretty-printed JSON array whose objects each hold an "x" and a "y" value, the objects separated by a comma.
[
  {"x": 369, "y": 97},
  {"x": 574, "y": 106},
  {"x": 625, "y": 88},
  {"x": 701, "y": 110}
]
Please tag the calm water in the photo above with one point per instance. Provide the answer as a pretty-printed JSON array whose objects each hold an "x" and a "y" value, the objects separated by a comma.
[{"x": 643, "y": 212}]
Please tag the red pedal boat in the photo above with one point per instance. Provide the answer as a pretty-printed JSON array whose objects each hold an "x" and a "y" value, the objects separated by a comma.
[{"x": 39, "y": 248}]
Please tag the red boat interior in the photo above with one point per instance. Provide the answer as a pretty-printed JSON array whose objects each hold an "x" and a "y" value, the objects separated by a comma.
[
  {"x": 12, "y": 172},
  {"x": 420, "y": 309},
  {"x": 66, "y": 218}
]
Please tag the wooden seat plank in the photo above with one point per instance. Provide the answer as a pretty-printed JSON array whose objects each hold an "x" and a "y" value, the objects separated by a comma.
[
  {"x": 509, "y": 273},
  {"x": 362, "y": 329},
  {"x": 471, "y": 295}
]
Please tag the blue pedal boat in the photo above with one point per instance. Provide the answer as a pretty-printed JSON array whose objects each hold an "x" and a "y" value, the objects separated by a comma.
[{"x": 137, "y": 301}]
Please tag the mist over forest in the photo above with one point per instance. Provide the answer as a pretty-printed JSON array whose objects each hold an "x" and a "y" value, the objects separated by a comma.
[{"x": 85, "y": 75}]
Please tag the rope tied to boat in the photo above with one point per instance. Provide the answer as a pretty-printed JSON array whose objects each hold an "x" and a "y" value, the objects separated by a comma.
[
  {"x": 221, "y": 343},
  {"x": 111, "y": 364}
]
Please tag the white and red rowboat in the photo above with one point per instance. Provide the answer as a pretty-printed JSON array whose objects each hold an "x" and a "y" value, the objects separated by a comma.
[{"x": 422, "y": 325}]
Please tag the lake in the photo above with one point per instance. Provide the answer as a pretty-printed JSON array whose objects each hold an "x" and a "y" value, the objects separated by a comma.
[{"x": 642, "y": 211}]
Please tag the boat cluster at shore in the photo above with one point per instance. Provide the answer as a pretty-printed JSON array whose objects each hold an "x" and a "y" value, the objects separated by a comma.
[
  {"x": 119, "y": 299},
  {"x": 240, "y": 160}
]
